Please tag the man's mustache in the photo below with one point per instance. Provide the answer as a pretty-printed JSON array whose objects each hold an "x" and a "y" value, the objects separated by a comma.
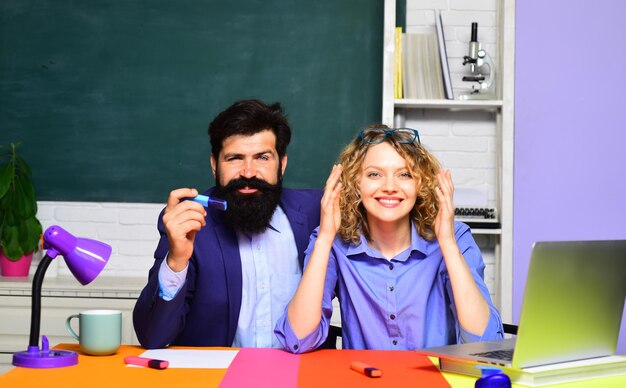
[{"x": 250, "y": 183}]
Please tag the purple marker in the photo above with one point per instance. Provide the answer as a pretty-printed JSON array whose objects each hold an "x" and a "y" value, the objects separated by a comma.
[{"x": 206, "y": 201}]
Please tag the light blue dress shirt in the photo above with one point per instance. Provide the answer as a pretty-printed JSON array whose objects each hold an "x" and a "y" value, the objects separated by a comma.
[
  {"x": 270, "y": 276},
  {"x": 404, "y": 303}
]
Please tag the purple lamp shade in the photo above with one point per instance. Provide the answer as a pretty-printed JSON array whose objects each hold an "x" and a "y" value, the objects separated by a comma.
[{"x": 84, "y": 257}]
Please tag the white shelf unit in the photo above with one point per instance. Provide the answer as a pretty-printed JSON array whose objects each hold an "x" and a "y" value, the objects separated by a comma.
[
  {"x": 492, "y": 105},
  {"x": 500, "y": 112}
]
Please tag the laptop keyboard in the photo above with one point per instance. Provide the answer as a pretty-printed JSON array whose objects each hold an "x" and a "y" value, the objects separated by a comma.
[{"x": 497, "y": 354}]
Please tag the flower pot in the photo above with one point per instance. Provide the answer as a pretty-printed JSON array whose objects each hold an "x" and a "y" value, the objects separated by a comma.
[{"x": 15, "y": 268}]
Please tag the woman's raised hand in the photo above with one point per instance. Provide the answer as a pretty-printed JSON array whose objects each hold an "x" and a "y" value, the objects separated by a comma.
[
  {"x": 330, "y": 214},
  {"x": 444, "y": 223}
]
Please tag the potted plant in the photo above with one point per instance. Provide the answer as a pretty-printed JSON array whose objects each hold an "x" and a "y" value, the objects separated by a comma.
[{"x": 20, "y": 230}]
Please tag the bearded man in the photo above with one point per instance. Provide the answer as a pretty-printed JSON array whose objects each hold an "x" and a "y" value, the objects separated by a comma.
[{"x": 223, "y": 278}]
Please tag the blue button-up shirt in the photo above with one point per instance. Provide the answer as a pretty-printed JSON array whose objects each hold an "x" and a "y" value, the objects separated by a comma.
[
  {"x": 270, "y": 276},
  {"x": 404, "y": 303}
]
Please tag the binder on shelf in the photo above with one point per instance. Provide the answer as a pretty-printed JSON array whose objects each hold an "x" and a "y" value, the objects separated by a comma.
[
  {"x": 398, "y": 77},
  {"x": 443, "y": 55},
  {"x": 422, "y": 68}
]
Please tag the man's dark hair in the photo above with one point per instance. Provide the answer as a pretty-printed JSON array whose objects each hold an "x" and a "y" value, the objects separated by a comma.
[{"x": 248, "y": 117}]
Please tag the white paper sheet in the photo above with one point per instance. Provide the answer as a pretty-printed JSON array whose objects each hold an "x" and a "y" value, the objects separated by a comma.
[{"x": 188, "y": 358}]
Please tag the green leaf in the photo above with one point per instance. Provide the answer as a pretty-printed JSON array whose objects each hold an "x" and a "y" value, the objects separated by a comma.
[
  {"x": 23, "y": 166},
  {"x": 11, "y": 243},
  {"x": 8, "y": 207},
  {"x": 27, "y": 186},
  {"x": 25, "y": 196},
  {"x": 30, "y": 234},
  {"x": 6, "y": 176}
]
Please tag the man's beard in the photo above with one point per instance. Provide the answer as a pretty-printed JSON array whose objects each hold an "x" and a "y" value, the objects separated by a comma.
[{"x": 249, "y": 213}]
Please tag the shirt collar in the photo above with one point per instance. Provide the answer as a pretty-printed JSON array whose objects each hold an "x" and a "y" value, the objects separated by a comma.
[
  {"x": 279, "y": 220},
  {"x": 418, "y": 243}
]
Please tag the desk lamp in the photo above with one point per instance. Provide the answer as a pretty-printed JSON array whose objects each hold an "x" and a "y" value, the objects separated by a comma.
[{"x": 85, "y": 258}]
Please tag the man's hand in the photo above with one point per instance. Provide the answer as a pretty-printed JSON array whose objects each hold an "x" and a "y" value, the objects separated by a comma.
[{"x": 182, "y": 219}]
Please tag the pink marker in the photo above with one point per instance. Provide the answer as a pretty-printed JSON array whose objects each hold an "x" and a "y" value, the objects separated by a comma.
[
  {"x": 147, "y": 362},
  {"x": 367, "y": 370}
]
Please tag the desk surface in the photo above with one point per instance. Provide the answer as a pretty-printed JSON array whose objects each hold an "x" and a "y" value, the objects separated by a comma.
[{"x": 324, "y": 368}]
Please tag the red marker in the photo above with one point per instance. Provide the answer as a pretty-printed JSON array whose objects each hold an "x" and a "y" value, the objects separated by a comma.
[
  {"x": 367, "y": 370},
  {"x": 147, "y": 362}
]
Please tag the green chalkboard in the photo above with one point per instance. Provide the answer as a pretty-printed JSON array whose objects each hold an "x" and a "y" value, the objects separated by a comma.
[{"x": 111, "y": 100}]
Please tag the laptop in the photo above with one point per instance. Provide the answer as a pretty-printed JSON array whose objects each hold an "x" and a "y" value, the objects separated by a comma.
[{"x": 572, "y": 310}]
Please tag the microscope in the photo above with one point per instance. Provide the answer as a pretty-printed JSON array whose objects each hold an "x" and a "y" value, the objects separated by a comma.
[{"x": 478, "y": 59}]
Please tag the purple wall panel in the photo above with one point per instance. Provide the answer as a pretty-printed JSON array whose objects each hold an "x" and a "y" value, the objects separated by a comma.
[{"x": 570, "y": 131}]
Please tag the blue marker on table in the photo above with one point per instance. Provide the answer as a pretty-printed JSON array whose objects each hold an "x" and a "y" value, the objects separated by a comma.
[{"x": 206, "y": 201}]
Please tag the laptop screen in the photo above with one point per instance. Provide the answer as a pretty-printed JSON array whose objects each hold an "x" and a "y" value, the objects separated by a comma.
[{"x": 573, "y": 302}]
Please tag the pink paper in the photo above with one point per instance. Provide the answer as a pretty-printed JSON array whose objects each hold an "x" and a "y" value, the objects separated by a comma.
[{"x": 260, "y": 368}]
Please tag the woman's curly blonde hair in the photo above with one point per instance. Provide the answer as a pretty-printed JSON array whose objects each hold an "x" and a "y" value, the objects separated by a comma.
[{"x": 423, "y": 167}]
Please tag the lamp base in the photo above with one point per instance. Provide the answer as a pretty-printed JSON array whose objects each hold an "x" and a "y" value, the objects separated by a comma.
[{"x": 44, "y": 358}]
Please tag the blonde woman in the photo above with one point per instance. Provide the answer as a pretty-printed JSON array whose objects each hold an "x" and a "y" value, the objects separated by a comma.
[{"x": 407, "y": 275}]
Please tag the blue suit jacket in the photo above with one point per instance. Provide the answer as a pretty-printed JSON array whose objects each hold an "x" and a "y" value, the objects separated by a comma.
[{"x": 205, "y": 311}]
